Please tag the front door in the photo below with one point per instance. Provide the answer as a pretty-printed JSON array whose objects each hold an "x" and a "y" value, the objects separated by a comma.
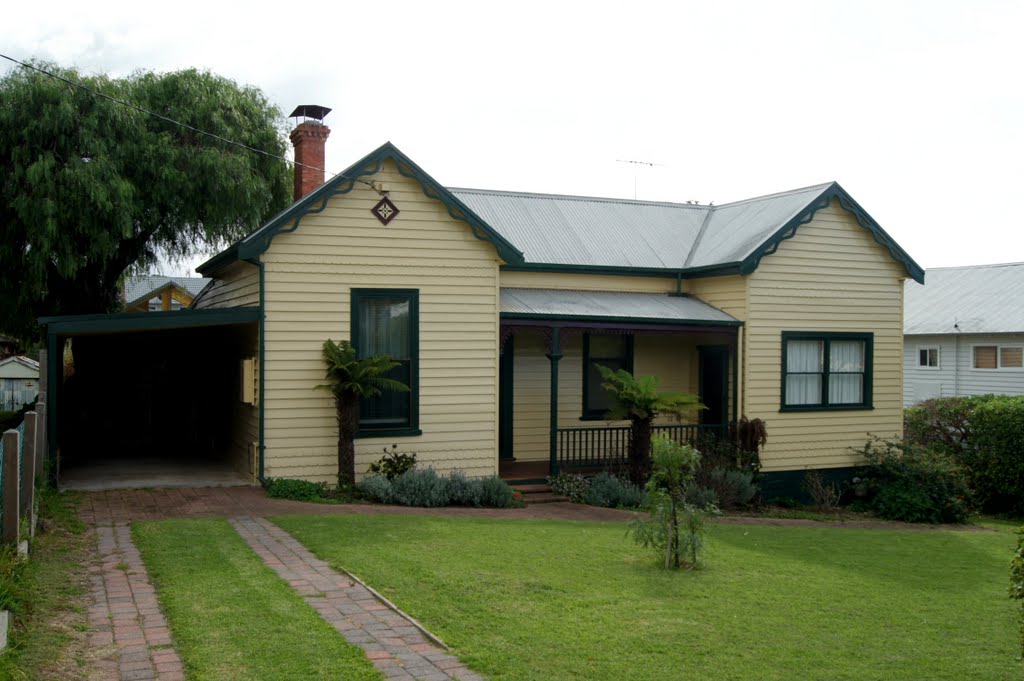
[{"x": 714, "y": 385}]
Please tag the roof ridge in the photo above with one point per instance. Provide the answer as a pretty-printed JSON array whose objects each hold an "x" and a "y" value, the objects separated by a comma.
[
  {"x": 578, "y": 197},
  {"x": 788, "y": 192},
  {"x": 975, "y": 267}
]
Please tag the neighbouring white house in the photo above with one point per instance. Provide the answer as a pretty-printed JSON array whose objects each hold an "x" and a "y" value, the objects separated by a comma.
[
  {"x": 19, "y": 382},
  {"x": 964, "y": 332}
]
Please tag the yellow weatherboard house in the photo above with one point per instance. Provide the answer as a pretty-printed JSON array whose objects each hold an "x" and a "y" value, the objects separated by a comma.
[{"x": 498, "y": 307}]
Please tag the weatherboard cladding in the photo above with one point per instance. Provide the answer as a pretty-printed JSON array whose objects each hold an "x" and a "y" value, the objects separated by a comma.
[
  {"x": 980, "y": 299},
  {"x": 656, "y": 307}
]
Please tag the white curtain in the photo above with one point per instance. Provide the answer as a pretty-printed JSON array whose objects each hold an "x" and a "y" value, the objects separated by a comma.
[
  {"x": 384, "y": 328},
  {"x": 804, "y": 360},
  {"x": 846, "y": 372}
]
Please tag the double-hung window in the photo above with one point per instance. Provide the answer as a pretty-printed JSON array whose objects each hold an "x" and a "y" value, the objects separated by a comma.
[
  {"x": 998, "y": 357},
  {"x": 826, "y": 370},
  {"x": 612, "y": 351},
  {"x": 386, "y": 322}
]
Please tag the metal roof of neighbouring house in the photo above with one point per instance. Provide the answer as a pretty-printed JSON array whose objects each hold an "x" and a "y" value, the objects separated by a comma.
[
  {"x": 27, "y": 362},
  {"x": 975, "y": 299},
  {"x": 657, "y": 308},
  {"x": 145, "y": 286}
]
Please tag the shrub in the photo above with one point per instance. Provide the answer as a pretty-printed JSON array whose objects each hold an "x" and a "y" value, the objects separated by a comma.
[
  {"x": 1017, "y": 582},
  {"x": 570, "y": 485},
  {"x": 299, "y": 490},
  {"x": 495, "y": 493},
  {"x": 394, "y": 463},
  {"x": 728, "y": 472},
  {"x": 376, "y": 488},
  {"x": 674, "y": 466},
  {"x": 463, "y": 491},
  {"x": 419, "y": 487},
  {"x": 943, "y": 423},
  {"x": 993, "y": 460},
  {"x": 610, "y": 491},
  {"x": 425, "y": 488},
  {"x": 723, "y": 488},
  {"x": 825, "y": 494},
  {"x": 914, "y": 484}
]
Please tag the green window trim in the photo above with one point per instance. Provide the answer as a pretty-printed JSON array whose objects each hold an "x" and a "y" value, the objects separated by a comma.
[
  {"x": 591, "y": 413},
  {"x": 827, "y": 338},
  {"x": 361, "y": 295}
]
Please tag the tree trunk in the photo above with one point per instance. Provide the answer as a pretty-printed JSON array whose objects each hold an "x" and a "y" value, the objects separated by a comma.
[
  {"x": 640, "y": 450},
  {"x": 348, "y": 424}
]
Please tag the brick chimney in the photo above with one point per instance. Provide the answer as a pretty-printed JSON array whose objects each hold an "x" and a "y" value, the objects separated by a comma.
[{"x": 309, "y": 138}]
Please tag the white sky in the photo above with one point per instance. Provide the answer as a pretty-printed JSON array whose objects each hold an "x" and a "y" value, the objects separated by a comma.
[{"x": 916, "y": 108}]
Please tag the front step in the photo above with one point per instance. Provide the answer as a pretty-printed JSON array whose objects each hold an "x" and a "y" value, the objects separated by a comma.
[{"x": 539, "y": 493}]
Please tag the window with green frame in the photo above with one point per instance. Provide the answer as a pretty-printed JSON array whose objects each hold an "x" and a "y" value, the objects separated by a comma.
[
  {"x": 386, "y": 321},
  {"x": 826, "y": 370},
  {"x": 612, "y": 351}
]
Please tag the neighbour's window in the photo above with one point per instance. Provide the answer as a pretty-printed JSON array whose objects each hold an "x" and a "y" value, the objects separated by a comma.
[
  {"x": 386, "y": 321},
  {"x": 928, "y": 358},
  {"x": 614, "y": 352},
  {"x": 998, "y": 357},
  {"x": 826, "y": 370}
]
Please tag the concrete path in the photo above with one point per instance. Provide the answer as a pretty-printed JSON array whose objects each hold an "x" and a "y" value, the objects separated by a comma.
[
  {"x": 130, "y": 636},
  {"x": 396, "y": 644}
]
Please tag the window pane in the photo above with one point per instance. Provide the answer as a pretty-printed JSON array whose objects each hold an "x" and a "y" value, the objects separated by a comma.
[
  {"x": 607, "y": 346},
  {"x": 846, "y": 356},
  {"x": 599, "y": 399},
  {"x": 846, "y": 389},
  {"x": 804, "y": 356},
  {"x": 384, "y": 328},
  {"x": 984, "y": 357},
  {"x": 1010, "y": 358},
  {"x": 803, "y": 389}
]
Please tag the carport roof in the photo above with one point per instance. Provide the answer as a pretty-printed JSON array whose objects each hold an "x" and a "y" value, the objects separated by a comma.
[{"x": 147, "y": 321}]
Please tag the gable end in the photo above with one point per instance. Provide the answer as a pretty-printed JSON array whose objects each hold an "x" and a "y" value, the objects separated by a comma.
[
  {"x": 253, "y": 245},
  {"x": 846, "y": 202}
]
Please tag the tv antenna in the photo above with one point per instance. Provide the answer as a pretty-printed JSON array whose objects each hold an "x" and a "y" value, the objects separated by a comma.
[{"x": 638, "y": 163}]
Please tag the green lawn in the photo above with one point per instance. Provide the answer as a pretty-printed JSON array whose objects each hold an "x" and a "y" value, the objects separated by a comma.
[
  {"x": 232, "y": 616},
  {"x": 522, "y": 599}
]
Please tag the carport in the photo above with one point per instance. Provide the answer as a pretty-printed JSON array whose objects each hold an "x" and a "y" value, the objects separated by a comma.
[{"x": 153, "y": 399}]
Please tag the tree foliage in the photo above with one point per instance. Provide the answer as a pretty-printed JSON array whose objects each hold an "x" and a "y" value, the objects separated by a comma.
[
  {"x": 638, "y": 399},
  {"x": 93, "y": 187},
  {"x": 674, "y": 527},
  {"x": 349, "y": 380}
]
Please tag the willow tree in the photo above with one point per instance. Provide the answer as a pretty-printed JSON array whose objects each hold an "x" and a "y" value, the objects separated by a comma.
[{"x": 92, "y": 187}]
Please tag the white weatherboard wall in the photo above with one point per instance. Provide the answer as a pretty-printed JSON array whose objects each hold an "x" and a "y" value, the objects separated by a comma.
[
  {"x": 832, "y": 276},
  {"x": 309, "y": 277},
  {"x": 956, "y": 374}
]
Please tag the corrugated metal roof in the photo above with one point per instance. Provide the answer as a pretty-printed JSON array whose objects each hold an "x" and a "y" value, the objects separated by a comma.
[
  {"x": 978, "y": 299},
  {"x": 137, "y": 287},
  {"x": 656, "y": 307},
  {"x": 575, "y": 230}
]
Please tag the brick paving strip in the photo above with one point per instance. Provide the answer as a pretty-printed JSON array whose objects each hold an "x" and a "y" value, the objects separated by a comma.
[
  {"x": 130, "y": 634},
  {"x": 396, "y": 644}
]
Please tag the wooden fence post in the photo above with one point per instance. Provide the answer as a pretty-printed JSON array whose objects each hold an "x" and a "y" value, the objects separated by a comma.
[
  {"x": 41, "y": 452},
  {"x": 10, "y": 529},
  {"x": 28, "y": 467}
]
